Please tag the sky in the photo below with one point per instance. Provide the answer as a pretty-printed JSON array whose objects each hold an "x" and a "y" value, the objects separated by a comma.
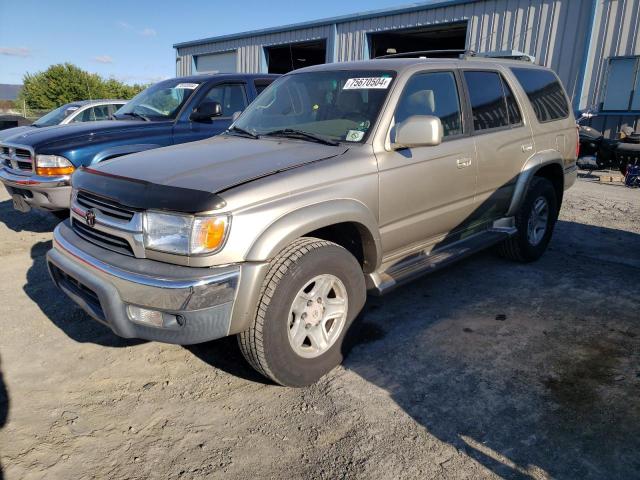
[{"x": 132, "y": 40}]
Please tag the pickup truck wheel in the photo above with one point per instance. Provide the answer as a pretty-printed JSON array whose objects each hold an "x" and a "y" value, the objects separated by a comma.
[
  {"x": 311, "y": 294},
  {"x": 535, "y": 221}
]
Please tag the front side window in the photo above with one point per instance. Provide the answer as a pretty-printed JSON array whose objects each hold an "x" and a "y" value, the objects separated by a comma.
[
  {"x": 434, "y": 94},
  {"x": 488, "y": 104},
  {"x": 338, "y": 105},
  {"x": 623, "y": 81},
  {"x": 544, "y": 92},
  {"x": 99, "y": 112},
  {"x": 161, "y": 101},
  {"x": 231, "y": 97}
]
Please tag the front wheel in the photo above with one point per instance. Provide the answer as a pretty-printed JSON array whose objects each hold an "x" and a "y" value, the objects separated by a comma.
[
  {"x": 311, "y": 294},
  {"x": 535, "y": 222}
]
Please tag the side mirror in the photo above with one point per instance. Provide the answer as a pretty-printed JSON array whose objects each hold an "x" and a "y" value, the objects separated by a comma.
[
  {"x": 235, "y": 115},
  {"x": 206, "y": 111},
  {"x": 418, "y": 131}
]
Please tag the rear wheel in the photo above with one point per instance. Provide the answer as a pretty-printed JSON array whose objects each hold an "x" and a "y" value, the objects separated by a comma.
[
  {"x": 535, "y": 222},
  {"x": 313, "y": 291}
]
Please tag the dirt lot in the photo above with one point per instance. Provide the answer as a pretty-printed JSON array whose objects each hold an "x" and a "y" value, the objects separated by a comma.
[{"x": 488, "y": 369}]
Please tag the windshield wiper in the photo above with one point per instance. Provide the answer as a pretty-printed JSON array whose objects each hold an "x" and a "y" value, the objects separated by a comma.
[
  {"x": 242, "y": 131},
  {"x": 137, "y": 115},
  {"x": 301, "y": 134}
]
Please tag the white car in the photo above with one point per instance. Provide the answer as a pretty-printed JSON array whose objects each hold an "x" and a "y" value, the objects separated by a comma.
[{"x": 81, "y": 111}]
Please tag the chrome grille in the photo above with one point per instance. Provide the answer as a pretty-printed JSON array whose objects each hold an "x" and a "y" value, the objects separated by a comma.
[
  {"x": 107, "y": 207},
  {"x": 16, "y": 157},
  {"x": 101, "y": 238}
]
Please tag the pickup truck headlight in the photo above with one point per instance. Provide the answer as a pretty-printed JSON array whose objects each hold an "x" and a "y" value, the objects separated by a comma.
[
  {"x": 185, "y": 234},
  {"x": 49, "y": 165}
]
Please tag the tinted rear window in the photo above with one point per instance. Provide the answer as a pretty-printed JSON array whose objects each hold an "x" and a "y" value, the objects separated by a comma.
[
  {"x": 487, "y": 100},
  {"x": 545, "y": 93}
]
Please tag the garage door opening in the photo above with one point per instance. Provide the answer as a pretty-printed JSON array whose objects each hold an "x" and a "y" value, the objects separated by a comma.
[
  {"x": 284, "y": 58},
  {"x": 452, "y": 36}
]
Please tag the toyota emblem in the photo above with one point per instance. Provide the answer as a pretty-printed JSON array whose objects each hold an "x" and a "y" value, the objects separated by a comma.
[{"x": 90, "y": 217}]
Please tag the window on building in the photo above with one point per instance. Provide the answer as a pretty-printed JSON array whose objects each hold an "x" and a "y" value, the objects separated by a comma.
[
  {"x": 545, "y": 93},
  {"x": 488, "y": 104},
  {"x": 432, "y": 94},
  {"x": 622, "y": 85}
]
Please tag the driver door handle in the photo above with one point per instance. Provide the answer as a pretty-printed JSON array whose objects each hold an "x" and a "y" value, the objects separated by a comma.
[{"x": 463, "y": 162}]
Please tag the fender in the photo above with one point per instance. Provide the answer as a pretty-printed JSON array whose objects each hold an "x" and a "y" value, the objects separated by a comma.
[
  {"x": 121, "y": 150},
  {"x": 297, "y": 223},
  {"x": 532, "y": 165}
]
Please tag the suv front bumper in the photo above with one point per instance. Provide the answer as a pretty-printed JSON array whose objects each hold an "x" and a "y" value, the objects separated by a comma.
[
  {"x": 46, "y": 193},
  {"x": 197, "y": 302}
]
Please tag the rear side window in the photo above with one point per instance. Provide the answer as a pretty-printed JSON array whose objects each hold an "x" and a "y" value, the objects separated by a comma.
[
  {"x": 488, "y": 104},
  {"x": 545, "y": 93},
  {"x": 433, "y": 94}
]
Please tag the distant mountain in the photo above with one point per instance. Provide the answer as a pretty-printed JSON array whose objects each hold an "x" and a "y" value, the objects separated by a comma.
[{"x": 9, "y": 91}]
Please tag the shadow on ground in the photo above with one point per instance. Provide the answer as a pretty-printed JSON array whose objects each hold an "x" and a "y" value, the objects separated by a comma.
[
  {"x": 4, "y": 408},
  {"x": 531, "y": 370},
  {"x": 34, "y": 221},
  {"x": 62, "y": 312}
]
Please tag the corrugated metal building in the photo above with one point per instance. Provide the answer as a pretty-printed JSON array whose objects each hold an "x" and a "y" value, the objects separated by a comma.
[{"x": 593, "y": 45}]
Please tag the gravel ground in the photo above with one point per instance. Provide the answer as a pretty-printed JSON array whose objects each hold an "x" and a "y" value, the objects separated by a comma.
[{"x": 488, "y": 369}]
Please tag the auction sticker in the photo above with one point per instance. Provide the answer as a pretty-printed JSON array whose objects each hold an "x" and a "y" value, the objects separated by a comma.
[
  {"x": 366, "y": 83},
  {"x": 188, "y": 86}
]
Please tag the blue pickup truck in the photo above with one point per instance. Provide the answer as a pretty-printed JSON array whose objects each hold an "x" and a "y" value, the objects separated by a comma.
[{"x": 36, "y": 166}]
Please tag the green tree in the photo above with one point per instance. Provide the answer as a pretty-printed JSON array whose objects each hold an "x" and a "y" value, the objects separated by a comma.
[{"x": 64, "y": 83}]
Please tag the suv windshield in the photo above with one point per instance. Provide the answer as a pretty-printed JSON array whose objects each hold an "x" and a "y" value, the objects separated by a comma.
[
  {"x": 161, "y": 101},
  {"x": 339, "y": 105},
  {"x": 54, "y": 117}
]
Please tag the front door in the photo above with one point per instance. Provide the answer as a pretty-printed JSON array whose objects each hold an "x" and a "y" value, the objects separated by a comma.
[
  {"x": 427, "y": 193},
  {"x": 231, "y": 96}
]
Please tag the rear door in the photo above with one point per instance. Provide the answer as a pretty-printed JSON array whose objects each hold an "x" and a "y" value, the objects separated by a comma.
[
  {"x": 502, "y": 140},
  {"x": 231, "y": 96},
  {"x": 427, "y": 193}
]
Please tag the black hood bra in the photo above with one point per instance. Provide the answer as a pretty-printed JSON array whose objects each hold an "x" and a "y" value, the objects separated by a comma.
[{"x": 143, "y": 195}]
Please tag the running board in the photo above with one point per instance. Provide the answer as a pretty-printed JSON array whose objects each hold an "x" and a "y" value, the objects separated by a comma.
[{"x": 419, "y": 264}]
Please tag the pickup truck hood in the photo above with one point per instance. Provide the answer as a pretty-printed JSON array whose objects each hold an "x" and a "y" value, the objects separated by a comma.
[
  {"x": 80, "y": 133},
  {"x": 217, "y": 163},
  {"x": 10, "y": 132}
]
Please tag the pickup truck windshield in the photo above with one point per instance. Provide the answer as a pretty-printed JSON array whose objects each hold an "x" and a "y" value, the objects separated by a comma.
[
  {"x": 161, "y": 101},
  {"x": 339, "y": 105},
  {"x": 54, "y": 117}
]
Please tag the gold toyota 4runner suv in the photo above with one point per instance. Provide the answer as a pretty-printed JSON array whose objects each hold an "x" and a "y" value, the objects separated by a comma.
[{"x": 339, "y": 180}]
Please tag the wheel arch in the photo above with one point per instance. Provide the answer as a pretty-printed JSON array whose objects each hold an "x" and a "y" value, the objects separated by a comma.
[
  {"x": 546, "y": 164},
  {"x": 348, "y": 223}
]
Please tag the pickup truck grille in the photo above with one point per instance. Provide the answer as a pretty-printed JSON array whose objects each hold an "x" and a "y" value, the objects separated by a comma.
[
  {"x": 107, "y": 207},
  {"x": 16, "y": 157},
  {"x": 102, "y": 239}
]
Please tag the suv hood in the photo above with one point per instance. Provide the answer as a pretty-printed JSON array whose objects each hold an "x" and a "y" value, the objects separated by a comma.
[
  {"x": 84, "y": 132},
  {"x": 217, "y": 163},
  {"x": 10, "y": 132}
]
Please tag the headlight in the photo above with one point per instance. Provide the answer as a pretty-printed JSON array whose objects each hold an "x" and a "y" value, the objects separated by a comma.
[
  {"x": 184, "y": 234},
  {"x": 53, "y": 165}
]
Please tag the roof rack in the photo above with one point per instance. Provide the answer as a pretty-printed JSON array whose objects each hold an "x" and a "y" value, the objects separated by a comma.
[
  {"x": 431, "y": 54},
  {"x": 463, "y": 53}
]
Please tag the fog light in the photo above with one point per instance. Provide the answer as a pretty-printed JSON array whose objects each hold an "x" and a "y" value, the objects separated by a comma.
[{"x": 145, "y": 316}]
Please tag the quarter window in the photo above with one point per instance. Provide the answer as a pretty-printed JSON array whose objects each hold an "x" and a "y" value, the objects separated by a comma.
[
  {"x": 231, "y": 97},
  {"x": 488, "y": 104},
  {"x": 433, "y": 94},
  {"x": 545, "y": 93}
]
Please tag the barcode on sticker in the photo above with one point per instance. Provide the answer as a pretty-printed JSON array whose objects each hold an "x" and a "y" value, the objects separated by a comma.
[{"x": 370, "y": 82}]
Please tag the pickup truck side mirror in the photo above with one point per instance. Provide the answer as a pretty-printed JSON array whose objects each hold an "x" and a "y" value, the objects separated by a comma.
[
  {"x": 206, "y": 111},
  {"x": 418, "y": 131}
]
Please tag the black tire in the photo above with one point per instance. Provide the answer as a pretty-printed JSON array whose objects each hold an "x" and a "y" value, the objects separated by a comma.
[
  {"x": 265, "y": 344},
  {"x": 61, "y": 214},
  {"x": 518, "y": 247}
]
